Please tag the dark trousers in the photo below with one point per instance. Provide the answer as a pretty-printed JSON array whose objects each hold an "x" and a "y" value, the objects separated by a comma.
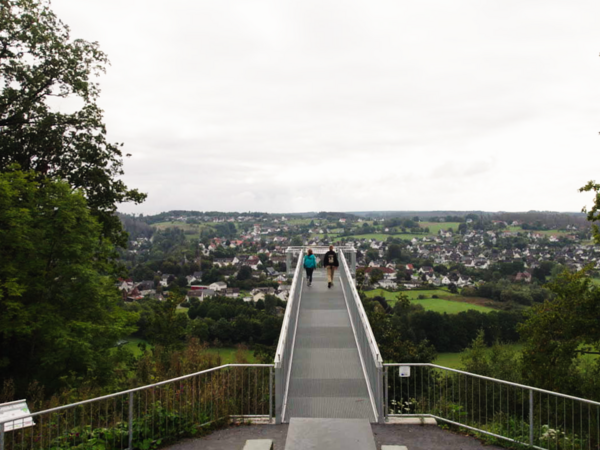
[{"x": 309, "y": 272}]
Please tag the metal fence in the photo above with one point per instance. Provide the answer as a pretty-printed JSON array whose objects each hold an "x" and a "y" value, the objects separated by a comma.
[
  {"x": 367, "y": 345},
  {"x": 499, "y": 409},
  {"x": 149, "y": 416},
  {"x": 285, "y": 347}
]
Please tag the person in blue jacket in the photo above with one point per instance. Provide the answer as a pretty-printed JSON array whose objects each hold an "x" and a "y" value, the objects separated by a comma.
[{"x": 310, "y": 263}]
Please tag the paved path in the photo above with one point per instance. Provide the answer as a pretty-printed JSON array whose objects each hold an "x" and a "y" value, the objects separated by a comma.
[{"x": 327, "y": 379}]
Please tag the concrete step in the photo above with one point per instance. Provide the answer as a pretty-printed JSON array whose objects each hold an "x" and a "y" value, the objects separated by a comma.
[
  {"x": 394, "y": 447},
  {"x": 259, "y": 444},
  {"x": 330, "y": 434}
]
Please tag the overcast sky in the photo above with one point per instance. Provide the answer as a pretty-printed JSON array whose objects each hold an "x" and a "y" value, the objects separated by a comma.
[{"x": 290, "y": 106}]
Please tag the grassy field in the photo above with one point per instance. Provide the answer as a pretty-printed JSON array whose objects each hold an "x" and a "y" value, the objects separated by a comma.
[
  {"x": 453, "y": 361},
  {"x": 321, "y": 235},
  {"x": 435, "y": 227},
  {"x": 383, "y": 236},
  {"x": 442, "y": 293},
  {"x": 132, "y": 345},
  {"x": 176, "y": 224},
  {"x": 228, "y": 354},
  {"x": 553, "y": 232},
  {"x": 299, "y": 221},
  {"x": 377, "y": 236},
  {"x": 413, "y": 295},
  {"x": 444, "y": 304},
  {"x": 449, "y": 306},
  {"x": 192, "y": 231},
  {"x": 518, "y": 229}
]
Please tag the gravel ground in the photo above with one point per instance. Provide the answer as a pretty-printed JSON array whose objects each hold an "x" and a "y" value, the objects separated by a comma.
[
  {"x": 415, "y": 437},
  {"x": 428, "y": 437}
]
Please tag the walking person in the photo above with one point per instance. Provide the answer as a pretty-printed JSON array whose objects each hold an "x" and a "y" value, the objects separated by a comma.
[
  {"x": 310, "y": 262},
  {"x": 330, "y": 261}
]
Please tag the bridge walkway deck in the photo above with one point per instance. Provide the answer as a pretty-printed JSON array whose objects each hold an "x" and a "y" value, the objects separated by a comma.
[{"x": 327, "y": 379}]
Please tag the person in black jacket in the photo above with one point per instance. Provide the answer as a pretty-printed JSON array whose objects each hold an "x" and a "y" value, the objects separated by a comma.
[{"x": 330, "y": 261}]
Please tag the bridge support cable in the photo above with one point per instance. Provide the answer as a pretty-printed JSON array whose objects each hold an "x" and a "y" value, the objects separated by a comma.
[
  {"x": 287, "y": 337},
  {"x": 370, "y": 357}
]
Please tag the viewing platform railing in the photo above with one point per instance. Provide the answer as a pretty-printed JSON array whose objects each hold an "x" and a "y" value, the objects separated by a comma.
[
  {"x": 499, "y": 409},
  {"x": 149, "y": 416}
]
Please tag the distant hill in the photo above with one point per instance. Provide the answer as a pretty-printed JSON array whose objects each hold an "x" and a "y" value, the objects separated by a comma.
[{"x": 420, "y": 214}]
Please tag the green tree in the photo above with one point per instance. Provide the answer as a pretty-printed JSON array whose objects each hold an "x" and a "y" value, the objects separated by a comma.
[
  {"x": 245, "y": 273},
  {"x": 593, "y": 214},
  {"x": 560, "y": 330},
  {"x": 167, "y": 327},
  {"x": 375, "y": 275},
  {"x": 39, "y": 61},
  {"x": 372, "y": 254},
  {"x": 394, "y": 251},
  {"x": 58, "y": 303},
  {"x": 199, "y": 328}
]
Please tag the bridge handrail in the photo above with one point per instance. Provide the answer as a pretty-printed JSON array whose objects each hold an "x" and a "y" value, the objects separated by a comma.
[
  {"x": 364, "y": 319},
  {"x": 368, "y": 350},
  {"x": 288, "y": 311},
  {"x": 285, "y": 347}
]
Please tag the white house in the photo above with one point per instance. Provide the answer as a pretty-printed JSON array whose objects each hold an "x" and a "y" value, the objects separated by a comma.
[{"x": 218, "y": 286}]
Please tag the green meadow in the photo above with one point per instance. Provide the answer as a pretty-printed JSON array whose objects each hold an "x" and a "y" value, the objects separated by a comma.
[
  {"x": 435, "y": 227},
  {"x": 453, "y": 360},
  {"x": 444, "y": 304},
  {"x": 192, "y": 231}
]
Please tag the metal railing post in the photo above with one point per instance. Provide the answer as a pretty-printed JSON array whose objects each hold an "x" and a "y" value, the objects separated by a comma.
[
  {"x": 279, "y": 388},
  {"x": 1, "y": 436},
  {"x": 530, "y": 417},
  {"x": 379, "y": 374},
  {"x": 270, "y": 394},
  {"x": 130, "y": 421},
  {"x": 288, "y": 261},
  {"x": 386, "y": 393}
]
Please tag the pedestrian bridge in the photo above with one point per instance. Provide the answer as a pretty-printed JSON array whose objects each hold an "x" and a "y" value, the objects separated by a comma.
[{"x": 327, "y": 363}]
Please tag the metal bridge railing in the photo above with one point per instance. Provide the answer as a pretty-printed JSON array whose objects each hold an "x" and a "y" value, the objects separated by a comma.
[
  {"x": 347, "y": 250},
  {"x": 285, "y": 347},
  {"x": 368, "y": 350},
  {"x": 507, "y": 411},
  {"x": 149, "y": 416}
]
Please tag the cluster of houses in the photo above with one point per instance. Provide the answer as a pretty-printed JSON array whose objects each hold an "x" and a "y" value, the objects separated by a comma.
[
  {"x": 477, "y": 249},
  {"x": 220, "y": 288},
  {"x": 133, "y": 291},
  {"x": 473, "y": 250}
]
